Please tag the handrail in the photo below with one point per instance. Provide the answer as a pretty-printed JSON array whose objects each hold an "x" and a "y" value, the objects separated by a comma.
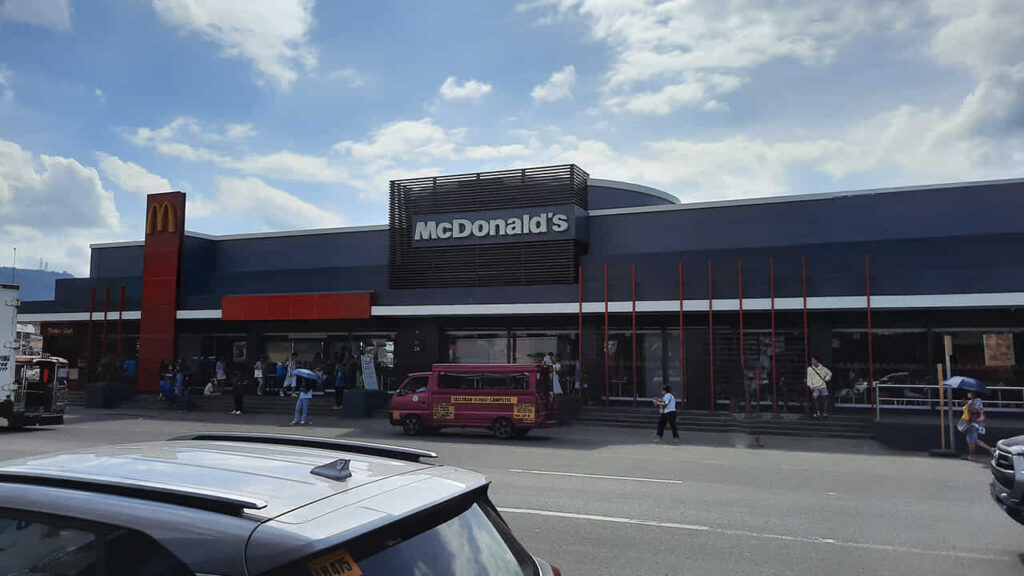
[{"x": 366, "y": 448}]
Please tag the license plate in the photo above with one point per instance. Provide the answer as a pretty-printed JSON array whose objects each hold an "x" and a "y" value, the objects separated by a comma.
[{"x": 338, "y": 563}]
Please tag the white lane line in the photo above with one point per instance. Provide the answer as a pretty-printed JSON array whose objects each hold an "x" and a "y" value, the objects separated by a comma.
[
  {"x": 747, "y": 534},
  {"x": 601, "y": 476}
]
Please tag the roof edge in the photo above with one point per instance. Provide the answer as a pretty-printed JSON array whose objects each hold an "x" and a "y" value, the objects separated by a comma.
[
  {"x": 801, "y": 197},
  {"x": 634, "y": 188}
]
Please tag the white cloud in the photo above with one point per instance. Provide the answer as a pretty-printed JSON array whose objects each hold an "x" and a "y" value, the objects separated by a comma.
[
  {"x": 402, "y": 140},
  {"x": 54, "y": 14},
  {"x": 558, "y": 86},
  {"x": 176, "y": 139},
  {"x": 349, "y": 76},
  {"x": 272, "y": 34},
  {"x": 100, "y": 96},
  {"x": 658, "y": 46},
  {"x": 131, "y": 177},
  {"x": 51, "y": 207},
  {"x": 468, "y": 90},
  {"x": 289, "y": 166},
  {"x": 6, "y": 92},
  {"x": 271, "y": 208}
]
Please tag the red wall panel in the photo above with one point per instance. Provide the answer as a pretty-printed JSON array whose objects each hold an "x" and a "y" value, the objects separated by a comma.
[{"x": 342, "y": 305}]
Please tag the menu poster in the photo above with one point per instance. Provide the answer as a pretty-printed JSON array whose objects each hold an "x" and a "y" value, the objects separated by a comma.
[{"x": 999, "y": 349}]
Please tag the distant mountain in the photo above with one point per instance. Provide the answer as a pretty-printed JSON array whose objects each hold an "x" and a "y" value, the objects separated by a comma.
[{"x": 35, "y": 284}]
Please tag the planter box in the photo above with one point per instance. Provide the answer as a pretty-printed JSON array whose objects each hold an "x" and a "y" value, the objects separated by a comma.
[
  {"x": 568, "y": 407},
  {"x": 103, "y": 394},
  {"x": 363, "y": 403}
]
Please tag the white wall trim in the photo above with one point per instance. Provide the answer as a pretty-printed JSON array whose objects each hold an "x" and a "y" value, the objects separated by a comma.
[
  {"x": 983, "y": 300},
  {"x": 895, "y": 302},
  {"x": 198, "y": 314},
  {"x": 117, "y": 244}
]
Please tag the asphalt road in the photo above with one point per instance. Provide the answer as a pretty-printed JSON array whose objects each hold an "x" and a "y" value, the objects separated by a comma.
[{"x": 607, "y": 501}]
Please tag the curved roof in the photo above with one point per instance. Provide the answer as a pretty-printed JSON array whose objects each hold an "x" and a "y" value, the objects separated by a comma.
[{"x": 640, "y": 188}]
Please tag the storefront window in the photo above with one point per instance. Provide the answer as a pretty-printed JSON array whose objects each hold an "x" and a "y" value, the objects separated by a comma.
[
  {"x": 901, "y": 368},
  {"x": 558, "y": 348},
  {"x": 478, "y": 348}
]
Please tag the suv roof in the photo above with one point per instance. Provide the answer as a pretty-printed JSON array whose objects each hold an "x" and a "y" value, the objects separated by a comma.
[
  {"x": 262, "y": 476},
  {"x": 211, "y": 491}
]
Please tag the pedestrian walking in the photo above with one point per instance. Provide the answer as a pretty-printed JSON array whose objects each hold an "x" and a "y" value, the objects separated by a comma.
[
  {"x": 289, "y": 375},
  {"x": 179, "y": 382},
  {"x": 818, "y": 377},
  {"x": 302, "y": 405},
  {"x": 972, "y": 424},
  {"x": 556, "y": 374},
  {"x": 238, "y": 384},
  {"x": 257, "y": 373},
  {"x": 666, "y": 404}
]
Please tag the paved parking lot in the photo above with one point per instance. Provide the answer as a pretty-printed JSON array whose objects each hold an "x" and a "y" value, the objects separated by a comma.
[{"x": 607, "y": 501}]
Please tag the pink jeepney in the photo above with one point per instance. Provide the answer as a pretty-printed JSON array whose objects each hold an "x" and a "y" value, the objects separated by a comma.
[{"x": 510, "y": 399}]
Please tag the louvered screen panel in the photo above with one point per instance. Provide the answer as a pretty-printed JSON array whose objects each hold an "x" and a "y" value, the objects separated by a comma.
[{"x": 548, "y": 262}]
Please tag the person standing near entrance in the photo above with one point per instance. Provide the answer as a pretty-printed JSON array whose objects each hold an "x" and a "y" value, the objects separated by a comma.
[
  {"x": 257, "y": 373},
  {"x": 222, "y": 376},
  {"x": 238, "y": 391},
  {"x": 289, "y": 376},
  {"x": 818, "y": 378},
  {"x": 667, "y": 406}
]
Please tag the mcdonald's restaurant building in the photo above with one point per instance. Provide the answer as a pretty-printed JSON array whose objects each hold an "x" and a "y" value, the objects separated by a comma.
[{"x": 630, "y": 288}]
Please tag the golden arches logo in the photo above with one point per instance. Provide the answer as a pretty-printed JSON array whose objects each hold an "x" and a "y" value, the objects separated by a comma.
[{"x": 162, "y": 217}]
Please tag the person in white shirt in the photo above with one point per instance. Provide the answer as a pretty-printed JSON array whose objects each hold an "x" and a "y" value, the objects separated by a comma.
[
  {"x": 289, "y": 378},
  {"x": 818, "y": 378},
  {"x": 667, "y": 406},
  {"x": 556, "y": 375},
  {"x": 257, "y": 373}
]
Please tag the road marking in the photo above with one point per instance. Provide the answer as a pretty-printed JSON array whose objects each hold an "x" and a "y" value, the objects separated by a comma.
[
  {"x": 748, "y": 534},
  {"x": 601, "y": 476}
]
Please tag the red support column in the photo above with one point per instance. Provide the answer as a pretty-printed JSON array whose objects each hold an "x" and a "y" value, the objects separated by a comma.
[
  {"x": 711, "y": 339},
  {"x": 807, "y": 358},
  {"x": 106, "y": 308},
  {"x": 682, "y": 362},
  {"x": 607, "y": 387},
  {"x": 775, "y": 388},
  {"x": 579, "y": 336},
  {"x": 743, "y": 363},
  {"x": 120, "y": 324},
  {"x": 88, "y": 338},
  {"x": 871, "y": 360},
  {"x": 634, "y": 335}
]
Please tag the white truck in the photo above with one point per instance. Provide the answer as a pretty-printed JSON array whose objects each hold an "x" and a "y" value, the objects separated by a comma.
[{"x": 33, "y": 389}]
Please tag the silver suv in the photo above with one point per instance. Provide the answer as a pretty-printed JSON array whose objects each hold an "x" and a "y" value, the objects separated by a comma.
[
  {"x": 237, "y": 504},
  {"x": 1007, "y": 487}
]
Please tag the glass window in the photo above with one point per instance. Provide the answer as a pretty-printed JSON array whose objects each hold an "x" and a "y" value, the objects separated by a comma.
[
  {"x": 478, "y": 348},
  {"x": 475, "y": 541},
  {"x": 45, "y": 545},
  {"x": 484, "y": 381}
]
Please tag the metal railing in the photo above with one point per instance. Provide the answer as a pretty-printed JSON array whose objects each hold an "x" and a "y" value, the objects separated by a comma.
[{"x": 926, "y": 397}]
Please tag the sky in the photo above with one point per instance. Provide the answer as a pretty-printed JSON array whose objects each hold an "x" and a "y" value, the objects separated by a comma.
[{"x": 292, "y": 114}]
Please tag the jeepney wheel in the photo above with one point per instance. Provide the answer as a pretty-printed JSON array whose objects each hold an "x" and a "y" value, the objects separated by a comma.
[
  {"x": 520, "y": 432},
  {"x": 412, "y": 425},
  {"x": 503, "y": 428}
]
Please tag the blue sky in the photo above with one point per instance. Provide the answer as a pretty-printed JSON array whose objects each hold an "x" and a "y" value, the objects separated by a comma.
[{"x": 284, "y": 114}]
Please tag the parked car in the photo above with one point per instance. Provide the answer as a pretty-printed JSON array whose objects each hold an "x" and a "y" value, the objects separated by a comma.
[
  {"x": 510, "y": 399},
  {"x": 1007, "y": 486},
  {"x": 235, "y": 504}
]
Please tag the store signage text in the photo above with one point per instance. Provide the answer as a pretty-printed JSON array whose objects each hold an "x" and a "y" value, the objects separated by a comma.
[{"x": 514, "y": 225}]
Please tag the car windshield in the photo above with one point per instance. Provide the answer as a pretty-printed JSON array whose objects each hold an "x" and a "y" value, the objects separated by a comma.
[{"x": 473, "y": 541}]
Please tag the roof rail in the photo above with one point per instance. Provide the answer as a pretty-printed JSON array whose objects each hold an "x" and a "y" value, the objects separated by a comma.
[
  {"x": 189, "y": 496},
  {"x": 367, "y": 448}
]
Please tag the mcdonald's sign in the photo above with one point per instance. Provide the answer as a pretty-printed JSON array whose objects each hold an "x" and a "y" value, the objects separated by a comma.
[{"x": 162, "y": 217}]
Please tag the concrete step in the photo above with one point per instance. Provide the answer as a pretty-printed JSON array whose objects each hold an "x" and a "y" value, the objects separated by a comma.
[{"x": 772, "y": 432}]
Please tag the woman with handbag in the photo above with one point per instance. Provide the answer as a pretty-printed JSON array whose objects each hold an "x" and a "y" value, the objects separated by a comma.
[{"x": 972, "y": 424}]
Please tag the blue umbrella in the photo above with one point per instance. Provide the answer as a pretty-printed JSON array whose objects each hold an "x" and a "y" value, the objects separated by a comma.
[
  {"x": 307, "y": 374},
  {"x": 965, "y": 383}
]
